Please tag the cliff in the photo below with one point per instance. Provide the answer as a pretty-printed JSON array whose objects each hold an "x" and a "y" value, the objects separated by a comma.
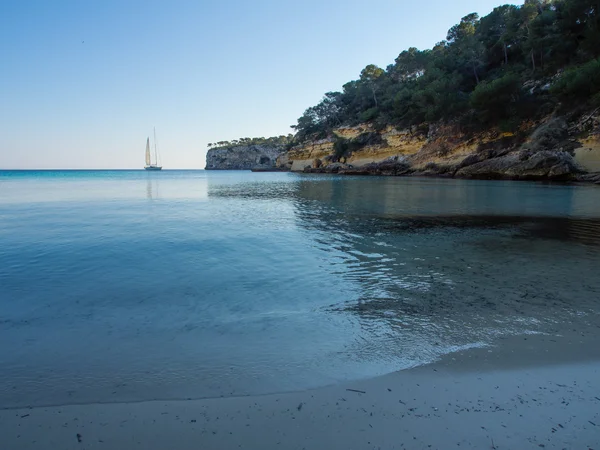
[
  {"x": 551, "y": 149},
  {"x": 243, "y": 157}
]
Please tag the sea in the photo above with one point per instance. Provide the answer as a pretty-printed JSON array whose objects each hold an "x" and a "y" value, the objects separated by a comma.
[{"x": 120, "y": 286}]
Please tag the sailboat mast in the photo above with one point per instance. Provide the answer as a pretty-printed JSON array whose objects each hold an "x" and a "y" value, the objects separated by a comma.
[{"x": 155, "y": 154}]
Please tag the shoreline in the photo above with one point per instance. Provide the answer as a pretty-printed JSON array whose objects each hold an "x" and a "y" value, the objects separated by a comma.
[
  {"x": 525, "y": 391},
  {"x": 592, "y": 178}
]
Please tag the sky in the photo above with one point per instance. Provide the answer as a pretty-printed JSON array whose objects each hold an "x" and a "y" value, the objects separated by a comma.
[{"x": 84, "y": 82}]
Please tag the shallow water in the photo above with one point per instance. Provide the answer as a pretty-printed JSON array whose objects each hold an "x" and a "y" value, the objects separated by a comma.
[{"x": 127, "y": 285}]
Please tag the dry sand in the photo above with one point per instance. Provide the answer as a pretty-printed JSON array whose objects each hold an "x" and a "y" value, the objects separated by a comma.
[{"x": 527, "y": 392}]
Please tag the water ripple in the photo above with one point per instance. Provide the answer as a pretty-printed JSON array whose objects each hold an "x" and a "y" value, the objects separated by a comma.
[{"x": 134, "y": 286}]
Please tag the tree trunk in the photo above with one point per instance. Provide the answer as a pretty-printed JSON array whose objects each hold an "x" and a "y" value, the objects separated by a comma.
[
  {"x": 532, "y": 60},
  {"x": 476, "y": 75},
  {"x": 505, "y": 54},
  {"x": 375, "y": 98}
]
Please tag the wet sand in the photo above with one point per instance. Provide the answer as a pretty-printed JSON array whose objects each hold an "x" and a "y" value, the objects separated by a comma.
[{"x": 539, "y": 391}]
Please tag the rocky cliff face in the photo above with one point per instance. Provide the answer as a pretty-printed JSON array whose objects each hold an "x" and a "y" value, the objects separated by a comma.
[
  {"x": 245, "y": 157},
  {"x": 552, "y": 150}
]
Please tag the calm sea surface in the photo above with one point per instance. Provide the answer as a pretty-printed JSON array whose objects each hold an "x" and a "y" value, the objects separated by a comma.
[{"x": 127, "y": 285}]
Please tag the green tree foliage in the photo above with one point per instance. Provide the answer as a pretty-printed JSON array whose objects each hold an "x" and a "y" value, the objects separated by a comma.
[
  {"x": 497, "y": 99},
  {"x": 410, "y": 65},
  {"x": 275, "y": 140},
  {"x": 464, "y": 30},
  {"x": 480, "y": 68},
  {"x": 369, "y": 76},
  {"x": 579, "y": 83},
  {"x": 498, "y": 33}
]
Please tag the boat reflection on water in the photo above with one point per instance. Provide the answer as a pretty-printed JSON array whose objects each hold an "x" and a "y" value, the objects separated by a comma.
[{"x": 152, "y": 185}]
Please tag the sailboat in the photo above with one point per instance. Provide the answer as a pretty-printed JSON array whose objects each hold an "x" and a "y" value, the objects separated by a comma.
[{"x": 149, "y": 165}]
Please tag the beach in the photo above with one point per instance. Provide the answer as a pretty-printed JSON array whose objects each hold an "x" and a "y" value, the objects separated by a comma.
[{"x": 538, "y": 391}]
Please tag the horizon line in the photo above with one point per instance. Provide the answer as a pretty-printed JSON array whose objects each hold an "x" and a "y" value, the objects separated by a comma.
[{"x": 96, "y": 170}]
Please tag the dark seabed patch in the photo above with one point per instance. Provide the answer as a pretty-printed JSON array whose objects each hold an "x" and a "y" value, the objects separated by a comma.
[{"x": 568, "y": 229}]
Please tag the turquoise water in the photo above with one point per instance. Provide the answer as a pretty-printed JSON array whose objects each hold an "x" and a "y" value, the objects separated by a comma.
[{"x": 128, "y": 285}]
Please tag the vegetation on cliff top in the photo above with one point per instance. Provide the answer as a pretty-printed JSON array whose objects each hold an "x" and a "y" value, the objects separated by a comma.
[
  {"x": 516, "y": 63},
  {"x": 271, "y": 141}
]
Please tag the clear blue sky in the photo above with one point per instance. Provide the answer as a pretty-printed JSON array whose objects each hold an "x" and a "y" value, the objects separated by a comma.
[{"x": 82, "y": 83}]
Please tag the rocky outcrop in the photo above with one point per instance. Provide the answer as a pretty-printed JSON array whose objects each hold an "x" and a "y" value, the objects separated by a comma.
[
  {"x": 547, "y": 152},
  {"x": 300, "y": 157},
  {"x": 245, "y": 157},
  {"x": 523, "y": 165}
]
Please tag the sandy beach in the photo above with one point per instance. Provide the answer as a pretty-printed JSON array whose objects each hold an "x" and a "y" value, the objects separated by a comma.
[{"x": 540, "y": 391}]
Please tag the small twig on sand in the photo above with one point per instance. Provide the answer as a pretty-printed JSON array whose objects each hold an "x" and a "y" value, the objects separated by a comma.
[
  {"x": 493, "y": 446},
  {"x": 356, "y": 390}
]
